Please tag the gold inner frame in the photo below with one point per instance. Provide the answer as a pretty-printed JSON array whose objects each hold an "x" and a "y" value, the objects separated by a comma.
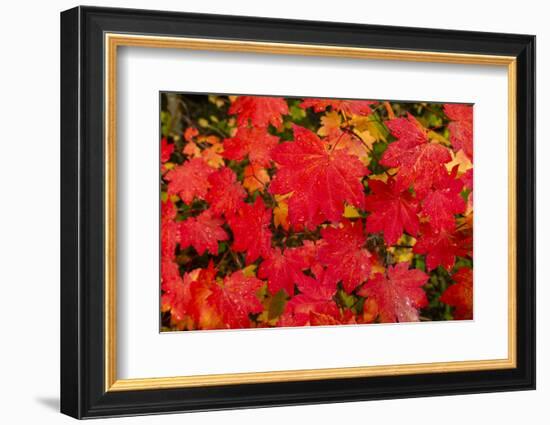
[{"x": 113, "y": 41}]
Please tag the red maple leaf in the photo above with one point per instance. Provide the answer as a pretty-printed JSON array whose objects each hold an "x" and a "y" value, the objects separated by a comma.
[
  {"x": 202, "y": 284},
  {"x": 169, "y": 275},
  {"x": 315, "y": 297},
  {"x": 442, "y": 246},
  {"x": 226, "y": 193},
  {"x": 283, "y": 269},
  {"x": 301, "y": 214},
  {"x": 393, "y": 210},
  {"x": 250, "y": 226},
  {"x": 168, "y": 210},
  {"x": 443, "y": 201},
  {"x": 255, "y": 142},
  {"x": 261, "y": 111},
  {"x": 187, "y": 299},
  {"x": 176, "y": 292},
  {"x": 418, "y": 159},
  {"x": 170, "y": 235},
  {"x": 321, "y": 287},
  {"x": 461, "y": 294},
  {"x": 398, "y": 293},
  {"x": 468, "y": 179},
  {"x": 349, "y": 107},
  {"x": 408, "y": 131},
  {"x": 308, "y": 253},
  {"x": 236, "y": 299},
  {"x": 321, "y": 180},
  {"x": 202, "y": 233},
  {"x": 166, "y": 150},
  {"x": 344, "y": 255},
  {"x": 461, "y": 127},
  {"x": 189, "y": 180},
  {"x": 298, "y": 311}
]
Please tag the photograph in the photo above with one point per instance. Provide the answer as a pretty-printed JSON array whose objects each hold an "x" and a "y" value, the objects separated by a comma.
[
  {"x": 262, "y": 211},
  {"x": 299, "y": 211}
]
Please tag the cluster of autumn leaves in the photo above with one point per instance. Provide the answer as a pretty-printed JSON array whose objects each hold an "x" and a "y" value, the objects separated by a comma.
[{"x": 352, "y": 222}]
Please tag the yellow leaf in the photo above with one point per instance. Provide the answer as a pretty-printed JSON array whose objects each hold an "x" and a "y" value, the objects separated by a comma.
[
  {"x": 330, "y": 122},
  {"x": 360, "y": 122},
  {"x": 169, "y": 165},
  {"x": 382, "y": 177},
  {"x": 460, "y": 159},
  {"x": 377, "y": 268},
  {"x": 375, "y": 129},
  {"x": 255, "y": 178},
  {"x": 212, "y": 155},
  {"x": 365, "y": 123},
  {"x": 351, "y": 212},
  {"x": 366, "y": 138},
  {"x": 406, "y": 240},
  {"x": 280, "y": 212},
  {"x": 403, "y": 255},
  {"x": 250, "y": 271}
]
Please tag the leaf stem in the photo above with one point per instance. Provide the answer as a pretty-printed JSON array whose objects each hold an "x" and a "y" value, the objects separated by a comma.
[
  {"x": 389, "y": 110},
  {"x": 236, "y": 259}
]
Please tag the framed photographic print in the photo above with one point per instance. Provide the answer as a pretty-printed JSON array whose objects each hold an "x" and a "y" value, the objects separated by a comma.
[{"x": 261, "y": 212}]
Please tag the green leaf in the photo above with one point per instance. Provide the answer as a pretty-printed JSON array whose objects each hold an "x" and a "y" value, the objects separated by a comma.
[
  {"x": 297, "y": 113},
  {"x": 344, "y": 299},
  {"x": 378, "y": 130},
  {"x": 420, "y": 262},
  {"x": 277, "y": 305},
  {"x": 465, "y": 193}
]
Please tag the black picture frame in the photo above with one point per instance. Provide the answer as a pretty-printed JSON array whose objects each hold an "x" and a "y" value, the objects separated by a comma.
[{"x": 83, "y": 392}]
